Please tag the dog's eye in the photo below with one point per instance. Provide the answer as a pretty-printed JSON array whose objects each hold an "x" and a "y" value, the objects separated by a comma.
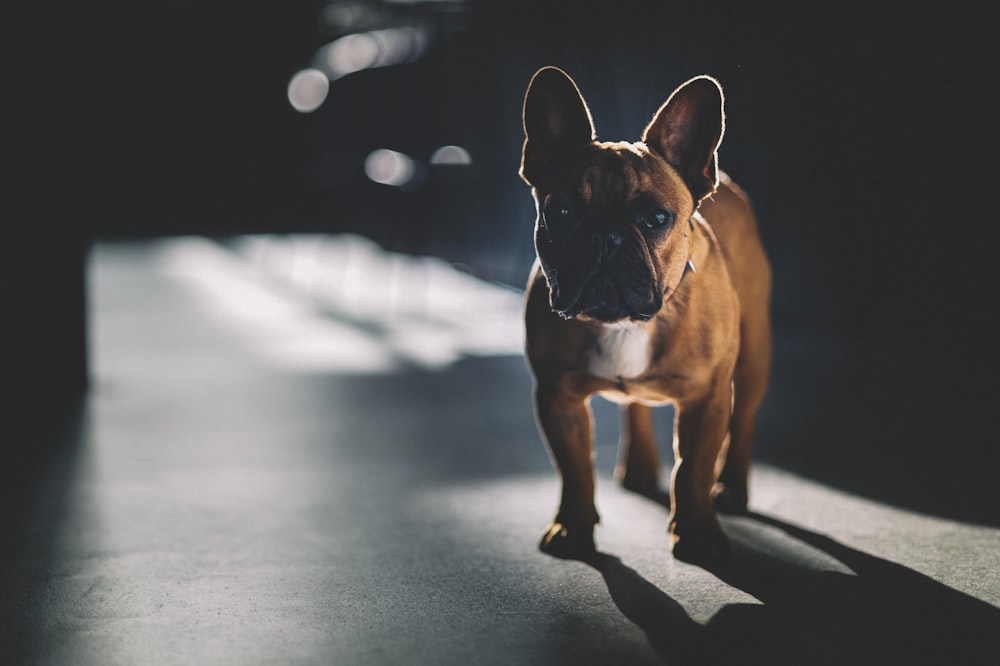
[
  {"x": 657, "y": 218},
  {"x": 556, "y": 210}
]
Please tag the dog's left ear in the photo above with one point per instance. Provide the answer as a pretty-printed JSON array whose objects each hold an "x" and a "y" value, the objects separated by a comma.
[{"x": 686, "y": 132}]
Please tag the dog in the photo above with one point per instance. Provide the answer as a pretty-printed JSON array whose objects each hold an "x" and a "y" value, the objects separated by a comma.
[{"x": 651, "y": 286}]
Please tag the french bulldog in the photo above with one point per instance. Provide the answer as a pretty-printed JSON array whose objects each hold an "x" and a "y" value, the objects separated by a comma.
[{"x": 651, "y": 286}]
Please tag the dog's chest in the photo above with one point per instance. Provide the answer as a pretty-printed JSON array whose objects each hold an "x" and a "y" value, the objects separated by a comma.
[{"x": 621, "y": 351}]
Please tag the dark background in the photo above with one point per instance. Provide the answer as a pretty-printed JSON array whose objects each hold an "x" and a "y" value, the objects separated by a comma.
[{"x": 864, "y": 134}]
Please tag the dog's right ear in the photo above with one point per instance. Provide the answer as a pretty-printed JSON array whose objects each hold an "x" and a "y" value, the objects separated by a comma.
[{"x": 555, "y": 119}]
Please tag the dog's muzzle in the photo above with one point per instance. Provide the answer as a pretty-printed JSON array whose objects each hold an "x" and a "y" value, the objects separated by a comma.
[{"x": 616, "y": 285}]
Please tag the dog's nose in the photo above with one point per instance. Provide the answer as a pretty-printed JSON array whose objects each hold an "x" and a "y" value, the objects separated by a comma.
[{"x": 606, "y": 243}]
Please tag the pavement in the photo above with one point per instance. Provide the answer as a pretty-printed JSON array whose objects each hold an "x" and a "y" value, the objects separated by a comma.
[{"x": 303, "y": 450}]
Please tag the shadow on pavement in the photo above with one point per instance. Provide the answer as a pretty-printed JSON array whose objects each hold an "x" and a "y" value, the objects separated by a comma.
[
  {"x": 882, "y": 613},
  {"x": 41, "y": 454}
]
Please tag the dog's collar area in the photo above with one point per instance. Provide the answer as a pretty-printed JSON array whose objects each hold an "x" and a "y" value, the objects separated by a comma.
[{"x": 689, "y": 266}]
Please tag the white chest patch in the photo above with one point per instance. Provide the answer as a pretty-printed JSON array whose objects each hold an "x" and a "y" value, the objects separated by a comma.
[{"x": 622, "y": 351}]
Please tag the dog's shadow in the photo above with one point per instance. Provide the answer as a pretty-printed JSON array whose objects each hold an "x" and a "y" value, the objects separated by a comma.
[{"x": 878, "y": 612}]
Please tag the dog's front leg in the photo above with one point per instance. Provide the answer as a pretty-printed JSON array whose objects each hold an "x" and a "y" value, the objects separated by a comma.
[
  {"x": 566, "y": 424},
  {"x": 698, "y": 438}
]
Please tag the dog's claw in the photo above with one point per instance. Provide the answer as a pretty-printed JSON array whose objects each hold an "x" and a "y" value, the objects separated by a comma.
[{"x": 568, "y": 544}]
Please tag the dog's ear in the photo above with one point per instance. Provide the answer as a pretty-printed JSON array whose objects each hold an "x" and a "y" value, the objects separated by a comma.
[
  {"x": 686, "y": 132},
  {"x": 556, "y": 119}
]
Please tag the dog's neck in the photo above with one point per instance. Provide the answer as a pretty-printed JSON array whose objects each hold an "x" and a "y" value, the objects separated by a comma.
[{"x": 689, "y": 266}]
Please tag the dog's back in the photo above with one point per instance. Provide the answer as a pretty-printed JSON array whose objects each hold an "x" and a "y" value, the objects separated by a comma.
[{"x": 729, "y": 214}]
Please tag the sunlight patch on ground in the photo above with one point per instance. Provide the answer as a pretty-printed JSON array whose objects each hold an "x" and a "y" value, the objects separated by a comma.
[{"x": 342, "y": 304}]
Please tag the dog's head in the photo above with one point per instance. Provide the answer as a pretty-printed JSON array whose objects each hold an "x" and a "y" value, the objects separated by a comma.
[{"x": 612, "y": 233}]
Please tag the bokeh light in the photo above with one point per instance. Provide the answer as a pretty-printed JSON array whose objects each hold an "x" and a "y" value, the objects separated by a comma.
[
  {"x": 365, "y": 50},
  {"x": 389, "y": 167},
  {"x": 451, "y": 155},
  {"x": 307, "y": 90}
]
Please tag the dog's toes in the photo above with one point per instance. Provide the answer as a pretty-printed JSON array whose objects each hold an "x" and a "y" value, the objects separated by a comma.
[
  {"x": 567, "y": 543},
  {"x": 727, "y": 500},
  {"x": 705, "y": 547}
]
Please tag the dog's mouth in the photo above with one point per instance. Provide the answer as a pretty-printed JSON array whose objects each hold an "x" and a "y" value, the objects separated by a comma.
[
  {"x": 609, "y": 277},
  {"x": 603, "y": 298}
]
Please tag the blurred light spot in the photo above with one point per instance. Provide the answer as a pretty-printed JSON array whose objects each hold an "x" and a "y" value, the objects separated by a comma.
[
  {"x": 343, "y": 16},
  {"x": 398, "y": 45},
  {"x": 365, "y": 50},
  {"x": 352, "y": 54},
  {"x": 451, "y": 155},
  {"x": 389, "y": 167},
  {"x": 307, "y": 90}
]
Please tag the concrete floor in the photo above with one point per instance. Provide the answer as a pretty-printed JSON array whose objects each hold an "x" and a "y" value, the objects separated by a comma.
[{"x": 364, "y": 485}]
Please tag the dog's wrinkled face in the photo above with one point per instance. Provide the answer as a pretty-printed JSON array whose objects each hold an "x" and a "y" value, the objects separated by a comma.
[
  {"x": 608, "y": 236},
  {"x": 612, "y": 233}
]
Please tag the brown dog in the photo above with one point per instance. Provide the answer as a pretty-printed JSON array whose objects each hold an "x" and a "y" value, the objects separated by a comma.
[{"x": 651, "y": 286}]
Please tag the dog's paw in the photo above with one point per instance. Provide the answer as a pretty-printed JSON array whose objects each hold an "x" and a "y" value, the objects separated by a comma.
[
  {"x": 567, "y": 543},
  {"x": 644, "y": 483},
  {"x": 649, "y": 490},
  {"x": 704, "y": 546},
  {"x": 727, "y": 499}
]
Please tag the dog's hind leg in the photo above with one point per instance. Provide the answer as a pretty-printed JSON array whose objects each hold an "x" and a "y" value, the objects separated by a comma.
[{"x": 638, "y": 466}]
